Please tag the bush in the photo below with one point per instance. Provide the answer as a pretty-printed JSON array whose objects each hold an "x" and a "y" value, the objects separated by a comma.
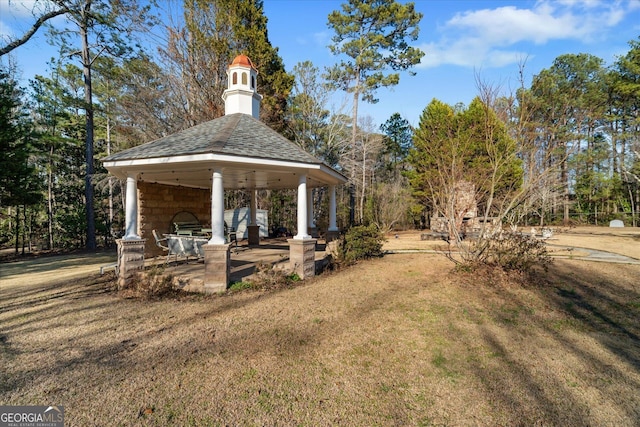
[
  {"x": 266, "y": 277},
  {"x": 361, "y": 242},
  {"x": 517, "y": 252},
  {"x": 240, "y": 286},
  {"x": 153, "y": 283}
]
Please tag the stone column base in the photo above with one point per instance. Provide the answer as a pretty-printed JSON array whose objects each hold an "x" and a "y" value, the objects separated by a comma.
[
  {"x": 313, "y": 232},
  {"x": 254, "y": 235},
  {"x": 130, "y": 260},
  {"x": 302, "y": 257},
  {"x": 217, "y": 267},
  {"x": 332, "y": 235}
]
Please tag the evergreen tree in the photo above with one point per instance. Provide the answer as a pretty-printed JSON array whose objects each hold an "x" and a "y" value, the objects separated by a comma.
[
  {"x": 453, "y": 148},
  {"x": 397, "y": 143},
  {"x": 624, "y": 93},
  {"x": 19, "y": 182},
  {"x": 215, "y": 32},
  {"x": 58, "y": 113},
  {"x": 101, "y": 27},
  {"x": 570, "y": 101},
  {"x": 373, "y": 35}
]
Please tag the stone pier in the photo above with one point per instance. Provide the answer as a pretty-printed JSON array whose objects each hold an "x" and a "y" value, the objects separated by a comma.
[
  {"x": 302, "y": 257},
  {"x": 130, "y": 260},
  {"x": 217, "y": 267}
]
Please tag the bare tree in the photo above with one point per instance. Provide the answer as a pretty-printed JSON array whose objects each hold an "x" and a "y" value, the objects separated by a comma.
[
  {"x": 490, "y": 150},
  {"x": 367, "y": 149},
  {"x": 389, "y": 203}
]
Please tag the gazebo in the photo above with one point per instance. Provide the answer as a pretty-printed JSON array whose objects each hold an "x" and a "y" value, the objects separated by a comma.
[{"x": 191, "y": 169}]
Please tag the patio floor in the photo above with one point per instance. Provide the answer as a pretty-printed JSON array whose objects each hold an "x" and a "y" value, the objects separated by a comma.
[{"x": 273, "y": 251}]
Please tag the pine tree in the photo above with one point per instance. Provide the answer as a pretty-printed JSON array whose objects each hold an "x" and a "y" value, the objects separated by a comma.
[
  {"x": 19, "y": 182},
  {"x": 373, "y": 35}
]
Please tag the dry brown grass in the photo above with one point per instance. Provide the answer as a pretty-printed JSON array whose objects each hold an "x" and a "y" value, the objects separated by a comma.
[{"x": 394, "y": 341}]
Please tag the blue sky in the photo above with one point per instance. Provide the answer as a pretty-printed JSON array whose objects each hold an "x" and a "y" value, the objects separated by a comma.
[{"x": 461, "y": 38}]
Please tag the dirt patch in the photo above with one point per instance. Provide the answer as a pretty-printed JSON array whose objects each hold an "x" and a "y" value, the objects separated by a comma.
[{"x": 396, "y": 341}]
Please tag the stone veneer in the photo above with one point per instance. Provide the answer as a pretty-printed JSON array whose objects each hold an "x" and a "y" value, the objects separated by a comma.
[
  {"x": 217, "y": 268},
  {"x": 130, "y": 260},
  {"x": 158, "y": 204},
  {"x": 302, "y": 257}
]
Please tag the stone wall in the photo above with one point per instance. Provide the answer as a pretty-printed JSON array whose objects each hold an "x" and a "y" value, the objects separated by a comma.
[{"x": 159, "y": 203}]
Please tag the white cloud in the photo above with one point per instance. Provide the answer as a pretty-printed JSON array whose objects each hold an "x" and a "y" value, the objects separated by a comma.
[
  {"x": 469, "y": 52},
  {"x": 18, "y": 15},
  {"x": 508, "y": 25},
  {"x": 5, "y": 31},
  {"x": 21, "y": 8},
  {"x": 323, "y": 38},
  {"x": 488, "y": 37},
  {"x": 584, "y": 3}
]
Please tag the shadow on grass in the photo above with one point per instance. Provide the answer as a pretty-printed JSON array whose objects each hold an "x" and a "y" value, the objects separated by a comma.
[
  {"x": 592, "y": 306},
  {"x": 603, "y": 307},
  {"x": 177, "y": 337},
  {"x": 220, "y": 336}
]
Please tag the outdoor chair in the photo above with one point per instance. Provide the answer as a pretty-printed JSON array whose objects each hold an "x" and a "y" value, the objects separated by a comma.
[
  {"x": 231, "y": 234},
  {"x": 160, "y": 242},
  {"x": 172, "y": 244}
]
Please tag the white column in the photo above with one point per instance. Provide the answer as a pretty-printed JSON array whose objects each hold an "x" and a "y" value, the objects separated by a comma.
[
  {"x": 310, "y": 221},
  {"x": 254, "y": 209},
  {"x": 131, "y": 208},
  {"x": 217, "y": 209},
  {"x": 302, "y": 209},
  {"x": 332, "y": 209}
]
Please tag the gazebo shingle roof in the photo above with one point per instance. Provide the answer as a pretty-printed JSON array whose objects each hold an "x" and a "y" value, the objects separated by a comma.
[{"x": 234, "y": 134}]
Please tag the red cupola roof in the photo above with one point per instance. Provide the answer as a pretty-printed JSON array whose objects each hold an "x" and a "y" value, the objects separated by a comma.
[{"x": 243, "y": 60}]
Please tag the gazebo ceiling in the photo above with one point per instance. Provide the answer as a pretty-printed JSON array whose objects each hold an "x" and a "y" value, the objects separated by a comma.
[
  {"x": 238, "y": 173},
  {"x": 250, "y": 154}
]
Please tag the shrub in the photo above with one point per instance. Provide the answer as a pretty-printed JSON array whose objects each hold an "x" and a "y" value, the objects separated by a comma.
[
  {"x": 517, "y": 252},
  {"x": 267, "y": 277},
  {"x": 361, "y": 242},
  {"x": 153, "y": 283},
  {"x": 240, "y": 286}
]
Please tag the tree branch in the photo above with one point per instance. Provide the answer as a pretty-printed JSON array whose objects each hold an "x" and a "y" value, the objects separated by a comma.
[{"x": 19, "y": 42}]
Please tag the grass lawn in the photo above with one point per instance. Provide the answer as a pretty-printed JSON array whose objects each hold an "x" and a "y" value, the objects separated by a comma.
[{"x": 396, "y": 341}]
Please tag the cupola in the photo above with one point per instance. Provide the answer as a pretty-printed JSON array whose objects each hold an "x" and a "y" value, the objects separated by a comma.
[{"x": 241, "y": 95}]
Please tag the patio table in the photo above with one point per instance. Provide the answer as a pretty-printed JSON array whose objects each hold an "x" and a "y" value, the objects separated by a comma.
[{"x": 185, "y": 246}]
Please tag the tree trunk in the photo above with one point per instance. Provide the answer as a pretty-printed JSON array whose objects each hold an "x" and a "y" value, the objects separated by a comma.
[
  {"x": 24, "y": 226},
  {"x": 364, "y": 184},
  {"x": 634, "y": 206},
  {"x": 354, "y": 136},
  {"x": 17, "y": 225},
  {"x": 31, "y": 231},
  {"x": 88, "y": 184},
  {"x": 614, "y": 145},
  {"x": 352, "y": 177},
  {"x": 50, "y": 200},
  {"x": 564, "y": 177},
  {"x": 110, "y": 181}
]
